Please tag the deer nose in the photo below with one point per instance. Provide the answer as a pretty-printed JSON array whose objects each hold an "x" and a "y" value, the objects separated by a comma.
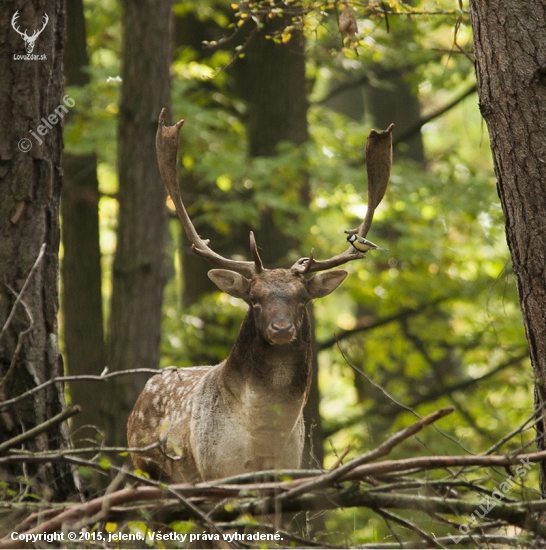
[
  {"x": 281, "y": 331},
  {"x": 282, "y": 326}
]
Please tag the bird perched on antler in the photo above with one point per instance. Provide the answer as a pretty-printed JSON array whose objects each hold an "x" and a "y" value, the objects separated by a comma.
[{"x": 362, "y": 244}]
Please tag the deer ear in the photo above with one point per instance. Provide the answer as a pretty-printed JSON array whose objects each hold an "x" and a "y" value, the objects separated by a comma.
[
  {"x": 230, "y": 282},
  {"x": 325, "y": 283}
]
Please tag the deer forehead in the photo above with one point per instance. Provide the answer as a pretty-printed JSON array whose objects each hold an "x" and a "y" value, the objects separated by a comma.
[{"x": 279, "y": 284}]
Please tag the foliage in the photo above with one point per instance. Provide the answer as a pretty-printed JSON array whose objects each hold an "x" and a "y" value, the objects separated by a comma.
[{"x": 423, "y": 324}]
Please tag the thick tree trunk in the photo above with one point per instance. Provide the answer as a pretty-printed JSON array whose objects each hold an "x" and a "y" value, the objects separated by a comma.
[
  {"x": 139, "y": 264},
  {"x": 30, "y": 185},
  {"x": 81, "y": 266},
  {"x": 510, "y": 52}
]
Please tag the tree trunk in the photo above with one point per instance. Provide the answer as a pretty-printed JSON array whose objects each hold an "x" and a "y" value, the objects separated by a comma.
[
  {"x": 81, "y": 266},
  {"x": 510, "y": 52},
  {"x": 31, "y": 90},
  {"x": 139, "y": 264}
]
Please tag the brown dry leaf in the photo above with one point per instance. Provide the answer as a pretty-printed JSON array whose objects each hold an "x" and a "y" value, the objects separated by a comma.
[{"x": 347, "y": 22}]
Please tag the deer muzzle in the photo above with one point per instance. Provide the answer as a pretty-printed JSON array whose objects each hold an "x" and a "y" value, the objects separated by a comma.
[{"x": 281, "y": 331}]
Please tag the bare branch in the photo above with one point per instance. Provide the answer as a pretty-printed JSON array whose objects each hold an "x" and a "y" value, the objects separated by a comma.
[
  {"x": 25, "y": 285},
  {"x": 415, "y": 128},
  {"x": 402, "y": 314},
  {"x": 41, "y": 428},
  {"x": 79, "y": 377},
  {"x": 20, "y": 337},
  {"x": 385, "y": 448},
  {"x": 408, "y": 525}
]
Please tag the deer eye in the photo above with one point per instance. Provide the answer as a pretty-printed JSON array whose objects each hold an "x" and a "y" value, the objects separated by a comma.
[{"x": 255, "y": 303}]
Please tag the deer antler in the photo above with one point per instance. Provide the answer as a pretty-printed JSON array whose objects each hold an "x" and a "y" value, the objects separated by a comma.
[
  {"x": 378, "y": 167},
  {"x": 166, "y": 144}
]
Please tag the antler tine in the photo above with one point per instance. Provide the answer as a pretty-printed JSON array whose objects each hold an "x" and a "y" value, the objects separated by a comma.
[
  {"x": 167, "y": 148},
  {"x": 303, "y": 265},
  {"x": 310, "y": 265},
  {"x": 378, "y": 167},
  {"x": 258, "y": 265}
]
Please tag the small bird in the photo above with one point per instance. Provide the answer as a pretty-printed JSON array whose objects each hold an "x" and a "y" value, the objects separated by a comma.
[{"x": 363, "y": 245}]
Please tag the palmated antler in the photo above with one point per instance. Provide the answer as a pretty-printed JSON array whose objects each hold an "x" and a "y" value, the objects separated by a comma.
[
  {"x": 378, "y": 168},
  {"x": 166, "y": 144}
]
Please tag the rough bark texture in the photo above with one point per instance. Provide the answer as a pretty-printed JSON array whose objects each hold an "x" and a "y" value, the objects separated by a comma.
[
  {"x": 30, "y": 187},
  {"x": 81, "y": 266},
  {"x": 510, "y": 50},
  {"x": 139, "y": 264}
]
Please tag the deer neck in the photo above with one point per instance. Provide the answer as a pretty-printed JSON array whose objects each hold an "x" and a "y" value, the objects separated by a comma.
[{"x": 283, "y": 371}]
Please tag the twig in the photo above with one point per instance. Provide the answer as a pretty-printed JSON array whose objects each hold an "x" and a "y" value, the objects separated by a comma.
[
  {"x": 522, "y": 514},
  {"x": 433, "y": 462},
  {"x": 339, "y": 461},
  {"x": 403, "y": 313},
  {"x": 285, "y": 534},
  {"x": 101, "y": 378},
  {"x": 408, "y": 525},
  {"x": 105, "y": 508},
  {"x": 399, "y": 403},
  {"x": 59, "y": 453},
  {"x": 426, "y": 119},
  {"x": 24, "y": 287},
  {"x": 383, "y": 449},
  {"x": 505, "y": 541},
  {"x": 20, "y": 337},
  {"x": 518, "y": 430},
  {"x": 41, "y": 428}
]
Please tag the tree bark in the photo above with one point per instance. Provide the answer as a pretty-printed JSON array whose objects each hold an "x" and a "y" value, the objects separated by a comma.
[
  {"x": 510, "y": 55},
  {"x": 30, "y": 187},
  {"x": 81, "y": 267},
  {"x": 139, "y": 265}
]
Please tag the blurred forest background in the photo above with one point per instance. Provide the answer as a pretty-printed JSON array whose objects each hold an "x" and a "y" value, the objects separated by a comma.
[
  {"x": 277, "y": 112},
  {"x": 433, "y": 321},
  {"x": 278, "y": 105}
]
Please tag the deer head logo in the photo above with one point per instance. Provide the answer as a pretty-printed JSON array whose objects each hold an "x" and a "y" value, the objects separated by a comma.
[{"x": 29, "y": 40}]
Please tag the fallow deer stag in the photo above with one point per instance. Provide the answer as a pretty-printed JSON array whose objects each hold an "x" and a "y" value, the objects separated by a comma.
[{"x": 244, "y": 414}]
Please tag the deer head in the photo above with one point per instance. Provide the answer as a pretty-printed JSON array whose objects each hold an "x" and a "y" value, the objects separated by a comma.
[
  {"x": 29, "y": 40},
  {"x": 244, "y": 414}
]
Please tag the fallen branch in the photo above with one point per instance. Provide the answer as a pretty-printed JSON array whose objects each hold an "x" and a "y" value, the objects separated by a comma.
[
  {"x": 158, "y": 502},
  {"x": 224, "y": 503}
]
